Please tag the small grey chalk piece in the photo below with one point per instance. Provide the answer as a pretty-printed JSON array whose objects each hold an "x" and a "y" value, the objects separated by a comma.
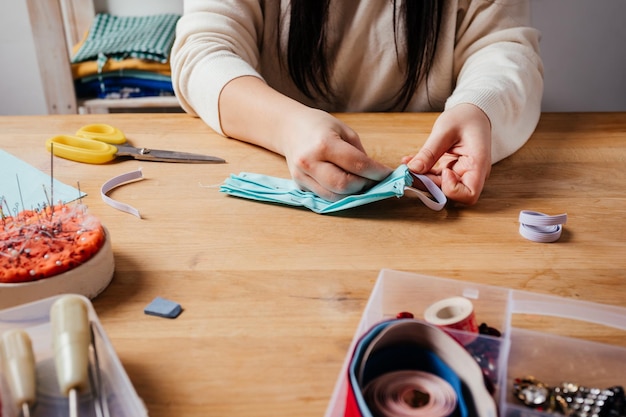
[{"x": 163, "y": 308}]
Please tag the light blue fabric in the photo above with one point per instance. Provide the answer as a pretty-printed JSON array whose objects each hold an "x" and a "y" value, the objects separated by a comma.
[{"x": 283, "y": 191}]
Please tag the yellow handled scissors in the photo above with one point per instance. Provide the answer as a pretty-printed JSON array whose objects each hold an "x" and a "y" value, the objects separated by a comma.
[{"x": 101, "y": 143}]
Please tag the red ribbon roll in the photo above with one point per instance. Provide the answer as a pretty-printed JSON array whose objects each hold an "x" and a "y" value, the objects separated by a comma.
[{"x": 454, "y": 313}]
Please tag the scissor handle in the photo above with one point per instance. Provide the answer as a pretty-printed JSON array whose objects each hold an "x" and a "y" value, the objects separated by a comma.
[
  {"x": 81, "y": 149},
  {"x": 103, "y": 133}
]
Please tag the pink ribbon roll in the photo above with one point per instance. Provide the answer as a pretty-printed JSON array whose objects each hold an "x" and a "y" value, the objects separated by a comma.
[{"x": 410, "y": 394}]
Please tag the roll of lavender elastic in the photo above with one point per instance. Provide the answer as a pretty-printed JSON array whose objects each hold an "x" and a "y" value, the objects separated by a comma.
[{"x": 540, "y": 227}]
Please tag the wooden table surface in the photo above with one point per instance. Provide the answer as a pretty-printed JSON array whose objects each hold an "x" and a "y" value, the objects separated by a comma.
[{"x": 272, "y": 295}]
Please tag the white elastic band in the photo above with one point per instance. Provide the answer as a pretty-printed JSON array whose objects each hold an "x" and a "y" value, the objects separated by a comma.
[
  {"x": 116, "y": 182},
  {"x": 437, "y": 194},
  {"x": 540, "y": 227}
]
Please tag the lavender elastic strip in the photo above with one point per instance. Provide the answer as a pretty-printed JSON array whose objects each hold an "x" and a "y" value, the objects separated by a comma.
[
  {"x": 116, "y": 182},
  {"x": 438, "y": 195},
  {"x": 540, "y": 227}
]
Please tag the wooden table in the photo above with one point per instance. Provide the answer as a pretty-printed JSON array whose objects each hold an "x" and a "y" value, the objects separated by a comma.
[{"x": 272, "y": 295}]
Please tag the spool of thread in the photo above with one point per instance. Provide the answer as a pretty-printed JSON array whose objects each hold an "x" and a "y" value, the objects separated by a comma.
[
  {"x": 454, "y": 313},
  {"x": 410, "y": 393}
]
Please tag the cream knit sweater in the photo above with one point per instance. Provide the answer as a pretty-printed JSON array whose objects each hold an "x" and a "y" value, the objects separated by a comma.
[{"x": 486, "y": 55}]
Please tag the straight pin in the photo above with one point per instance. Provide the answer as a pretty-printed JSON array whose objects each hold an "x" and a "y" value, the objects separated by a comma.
[
  {"x": 19, "y": 189},
  {"x": 80, "y": 194},
  {"x": 52, "y": 179}
]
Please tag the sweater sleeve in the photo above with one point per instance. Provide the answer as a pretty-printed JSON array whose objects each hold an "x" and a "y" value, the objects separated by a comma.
[
  {"x": 498, "y": 68},
  {"x": 216, "y": 42}
]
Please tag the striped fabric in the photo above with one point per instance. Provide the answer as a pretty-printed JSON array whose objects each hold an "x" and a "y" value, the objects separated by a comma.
[{"x": 120, "y": 37}]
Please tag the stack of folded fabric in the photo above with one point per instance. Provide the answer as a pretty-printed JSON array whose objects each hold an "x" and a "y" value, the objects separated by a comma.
[{"x": 125, "y": 56}]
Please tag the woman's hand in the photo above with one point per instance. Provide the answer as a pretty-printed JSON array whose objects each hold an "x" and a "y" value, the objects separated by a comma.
[
  {"x": 457, "y": 154},
  {"x": 326, "y": 156}
]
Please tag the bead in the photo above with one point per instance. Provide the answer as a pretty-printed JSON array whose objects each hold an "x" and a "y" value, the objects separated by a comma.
[
  {"x": 534, "y": 395},
  {"x": 570, "y": 399}
]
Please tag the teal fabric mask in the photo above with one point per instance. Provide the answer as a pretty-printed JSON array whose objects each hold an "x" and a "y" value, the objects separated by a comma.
[{"x": 283, "y": 191}]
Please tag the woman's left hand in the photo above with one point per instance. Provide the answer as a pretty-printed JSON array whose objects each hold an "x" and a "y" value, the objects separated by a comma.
[{"x": 457, "y": 154}]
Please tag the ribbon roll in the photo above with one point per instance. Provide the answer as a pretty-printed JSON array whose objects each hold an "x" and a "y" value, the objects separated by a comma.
[
  {"x": 540, "y": 227},
  {"x": 454, "y": 313},
  {"x": 416, "y": 347},
  {"x": 410, "y": 394}
]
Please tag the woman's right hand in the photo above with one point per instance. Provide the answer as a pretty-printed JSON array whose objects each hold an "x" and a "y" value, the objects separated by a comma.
[
  {"x": 323, "y": 154},
  {"x": 326, "y": 156}
]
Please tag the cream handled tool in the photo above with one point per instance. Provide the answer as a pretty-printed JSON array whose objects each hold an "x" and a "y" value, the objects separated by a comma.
[
  {"x": 70, "y": 340},
  {"x": 18, "y": 363}
]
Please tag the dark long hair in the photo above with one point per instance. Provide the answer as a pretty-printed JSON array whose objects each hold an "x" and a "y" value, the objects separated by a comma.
[{"x": 307, "y": 50}]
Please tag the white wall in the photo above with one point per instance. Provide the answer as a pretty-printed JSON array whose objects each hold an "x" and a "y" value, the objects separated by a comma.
[
  {"x": 584, "y": 51},
  {"x": 21, "y": 91},
  {"x": 583, "y": 48}
]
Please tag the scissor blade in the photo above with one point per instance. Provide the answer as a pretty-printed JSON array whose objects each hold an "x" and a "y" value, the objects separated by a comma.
[{"x": 158, "y": 155}]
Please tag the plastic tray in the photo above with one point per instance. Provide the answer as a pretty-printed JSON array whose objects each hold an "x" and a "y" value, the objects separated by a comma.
[
  {"x": 34, "y": 318},
  {"x": 521, "y": 350}
]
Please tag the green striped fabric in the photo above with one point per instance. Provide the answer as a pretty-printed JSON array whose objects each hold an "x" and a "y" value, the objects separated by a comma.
[{"x": 120, "y": 37}]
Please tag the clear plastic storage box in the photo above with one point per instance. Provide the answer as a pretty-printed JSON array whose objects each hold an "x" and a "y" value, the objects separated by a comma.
[
  {"x": 116, "y": 391},
  {"x": 525, "y": 347}
]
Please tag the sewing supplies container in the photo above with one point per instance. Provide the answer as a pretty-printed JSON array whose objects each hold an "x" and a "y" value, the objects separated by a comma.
[{"x": 520, "y": 349}]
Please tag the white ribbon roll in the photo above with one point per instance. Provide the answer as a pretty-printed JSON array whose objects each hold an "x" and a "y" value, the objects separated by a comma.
[{"x": 540, "y": 227}]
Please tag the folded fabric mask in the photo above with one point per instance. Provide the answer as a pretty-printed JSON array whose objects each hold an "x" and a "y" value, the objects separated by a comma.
[{"x": 283, "y": 191}]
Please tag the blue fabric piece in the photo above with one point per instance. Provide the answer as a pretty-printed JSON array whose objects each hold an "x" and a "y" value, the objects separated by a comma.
[
  {"x": 278, "y": 190},
  {"x": 163, "y": 308},
  {"x": 130, "y": 86}
]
